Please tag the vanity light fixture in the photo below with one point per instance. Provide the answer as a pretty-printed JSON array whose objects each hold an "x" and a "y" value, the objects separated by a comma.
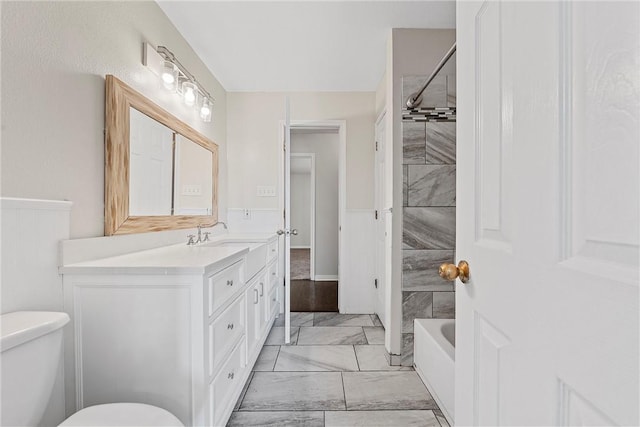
[
  {"x": 189, "y": 91},
  {"x": 205, "y": 110},
  {"x": 176, "y": 78},
  {"x": 169, "y": 75}
]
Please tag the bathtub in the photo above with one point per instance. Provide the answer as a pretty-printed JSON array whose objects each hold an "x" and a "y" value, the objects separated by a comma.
[{"x": 434, "y": 359}]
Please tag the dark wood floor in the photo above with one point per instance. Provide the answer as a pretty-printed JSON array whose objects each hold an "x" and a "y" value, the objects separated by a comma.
[{"x": 308, "y": 295}]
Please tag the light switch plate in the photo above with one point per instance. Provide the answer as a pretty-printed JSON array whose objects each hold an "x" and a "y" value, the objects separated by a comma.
[
  {"x": 192, "y": 190},
  {"x": 266, "y": 191}
]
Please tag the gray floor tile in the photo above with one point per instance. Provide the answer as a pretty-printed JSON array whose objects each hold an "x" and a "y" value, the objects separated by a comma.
[
  {"x": 331, "y": 335},
  {"x": 300, "y": 390},
  {"x": 380, "y": 418},
  {"x": 376, "y": 320},
  {"x": 337, "y": 319},
  {"x": 267, "y": 358},
  {"x": 297, "y": 319},
  {"x": 385, "y": 390},
  {"x": 277, "y": 418},
  {"x": 374, "y": 334},
  {"x": 317, "y": 358},
  {"x": 244, "y": 391},
  {"x": 440, "y": 416},
  {"x": 276, "y": 336},
  {"x": 373, "y": 358}
]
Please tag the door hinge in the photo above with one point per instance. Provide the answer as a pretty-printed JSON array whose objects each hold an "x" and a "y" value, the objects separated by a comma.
[
  {"x": 376, "y": 145},
  {"x": 376, "y": 213},
  {"x": 375, "y": 283}
]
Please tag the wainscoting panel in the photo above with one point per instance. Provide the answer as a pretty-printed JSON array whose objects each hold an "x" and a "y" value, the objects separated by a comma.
[{"x": 357, "y": 293}]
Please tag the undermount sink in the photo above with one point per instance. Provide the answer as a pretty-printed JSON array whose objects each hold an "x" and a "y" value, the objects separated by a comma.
[
  {"x": 250, "y": 245},
  {"x": 255, "y": 258}
]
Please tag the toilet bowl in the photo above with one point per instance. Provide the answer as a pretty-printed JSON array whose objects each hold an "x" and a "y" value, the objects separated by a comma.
[{"x": 30, "y": 349}]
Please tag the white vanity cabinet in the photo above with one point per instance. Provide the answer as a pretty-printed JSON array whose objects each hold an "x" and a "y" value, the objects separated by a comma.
[{"x": 175, "y": 327}]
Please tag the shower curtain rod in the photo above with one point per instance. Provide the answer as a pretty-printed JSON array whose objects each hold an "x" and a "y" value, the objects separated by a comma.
[{"x": 415, "y": 99}]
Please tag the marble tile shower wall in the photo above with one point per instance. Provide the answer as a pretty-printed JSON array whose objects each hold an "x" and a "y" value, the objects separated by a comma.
[{"x": 429, "y": 213}]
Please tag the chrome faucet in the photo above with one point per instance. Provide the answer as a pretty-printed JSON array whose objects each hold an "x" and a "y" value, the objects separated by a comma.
[{"x": 200, "y": 239}]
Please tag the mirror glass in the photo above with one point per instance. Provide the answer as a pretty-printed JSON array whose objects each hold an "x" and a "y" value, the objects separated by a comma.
[{"x": 168, "y": 173}]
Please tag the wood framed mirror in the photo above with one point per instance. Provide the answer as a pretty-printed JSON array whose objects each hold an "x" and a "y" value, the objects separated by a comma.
[{"x": 160, "y": 173}]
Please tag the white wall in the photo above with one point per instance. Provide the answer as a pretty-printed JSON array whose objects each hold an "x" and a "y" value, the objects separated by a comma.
[
  {"x": 301, "y": 209},
  {"x": 325, "y": 146},
  {"x": 253, "y": 138},
  {"x": 54, "y": 59}
]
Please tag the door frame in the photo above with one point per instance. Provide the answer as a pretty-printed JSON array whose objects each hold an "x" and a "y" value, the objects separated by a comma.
[
  {"x": 383, "y": 283},
  {"x": 341, "y": 126},
  {"x": 312, "y": 221}
]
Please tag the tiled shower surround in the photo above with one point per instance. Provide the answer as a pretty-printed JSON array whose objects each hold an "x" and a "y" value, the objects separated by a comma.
[{"x": 429, "y": 213}]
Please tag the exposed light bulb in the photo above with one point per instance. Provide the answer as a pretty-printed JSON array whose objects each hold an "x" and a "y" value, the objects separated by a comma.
[
  {"x": 189, "y": 93},
  {"x": 169, "y": 75},
  {"x": 205, "y": 110}
]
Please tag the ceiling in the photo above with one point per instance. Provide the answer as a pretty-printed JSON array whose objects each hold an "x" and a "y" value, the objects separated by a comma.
[{"x": 299, "y": 45}]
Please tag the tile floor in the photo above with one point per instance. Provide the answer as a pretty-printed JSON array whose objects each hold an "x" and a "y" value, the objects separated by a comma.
[{"x": 334, "y": 373}]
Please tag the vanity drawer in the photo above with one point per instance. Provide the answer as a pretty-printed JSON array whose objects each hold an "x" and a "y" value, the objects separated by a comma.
[
  {"x": 272, "y": 275},
  {"x": 224, "y": 389},
  {"x": 224, "y": 332},
  {"x": 223, "y": 285},
  {"x": 272, "y": 250}
]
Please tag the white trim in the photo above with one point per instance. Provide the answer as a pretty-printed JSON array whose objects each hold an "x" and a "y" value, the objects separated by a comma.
[
  {"x": 18, "y": 203},
  {"x": 327, "y": 278},
  {"x": 341, "y": 125},
  {"x": 300, "y": 247},
  {"x": 312, "y": 222}
]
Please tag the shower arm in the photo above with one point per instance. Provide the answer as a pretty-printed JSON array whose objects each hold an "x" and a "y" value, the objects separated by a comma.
[{"x": 415, "y": 99}]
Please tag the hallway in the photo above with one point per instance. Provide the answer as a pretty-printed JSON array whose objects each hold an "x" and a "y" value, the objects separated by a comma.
[{"x": 334, "y": 373}]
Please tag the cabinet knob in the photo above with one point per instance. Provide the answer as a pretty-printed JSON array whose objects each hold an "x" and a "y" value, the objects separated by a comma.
[
  {"x": 230, "y": 326},
  {"x": 230, "y": 282},
  {"x": 231, "y": 375}
]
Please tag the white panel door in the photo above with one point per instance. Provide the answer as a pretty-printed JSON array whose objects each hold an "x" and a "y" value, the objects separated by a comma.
[{"x": 547, "y": 216}]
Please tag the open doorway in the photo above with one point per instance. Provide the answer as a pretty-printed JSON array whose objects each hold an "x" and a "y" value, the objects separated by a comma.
[{"x": 314, "y": 191}]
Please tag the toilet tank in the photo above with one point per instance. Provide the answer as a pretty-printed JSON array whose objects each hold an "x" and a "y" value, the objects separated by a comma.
[{"x": 30, "y": 350}]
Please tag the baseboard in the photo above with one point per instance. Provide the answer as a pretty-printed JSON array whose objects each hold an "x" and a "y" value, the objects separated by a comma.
[
  {"x": 300, "y": 247},
  {"x": 325, "y": 278}
]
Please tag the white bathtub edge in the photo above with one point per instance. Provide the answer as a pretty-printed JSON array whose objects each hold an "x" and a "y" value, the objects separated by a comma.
[
  {"x": 434, "y": 361},
  {"x": 429, "y": 387}
]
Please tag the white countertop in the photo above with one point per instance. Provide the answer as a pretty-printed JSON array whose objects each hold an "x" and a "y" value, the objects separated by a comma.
[{"x": 174, "y": 259}]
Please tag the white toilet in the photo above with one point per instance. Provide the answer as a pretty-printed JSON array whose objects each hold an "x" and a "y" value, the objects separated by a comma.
[{"x": 31, "y": 345}]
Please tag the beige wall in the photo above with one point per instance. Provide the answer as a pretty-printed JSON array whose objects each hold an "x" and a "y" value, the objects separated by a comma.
[
  {"x": 254, "y": 146},
  {"x": 54, "y": 59}
]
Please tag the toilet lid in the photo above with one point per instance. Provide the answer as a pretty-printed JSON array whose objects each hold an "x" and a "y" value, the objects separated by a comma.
[{"x": 122, "y": 414}]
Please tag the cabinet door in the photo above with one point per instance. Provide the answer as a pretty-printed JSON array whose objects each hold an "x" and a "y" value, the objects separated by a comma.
[{"x": 252, "y": 298}]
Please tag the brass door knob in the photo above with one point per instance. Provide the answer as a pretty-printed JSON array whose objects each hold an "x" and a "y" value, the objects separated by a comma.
[{"x": 451, "y": 272}]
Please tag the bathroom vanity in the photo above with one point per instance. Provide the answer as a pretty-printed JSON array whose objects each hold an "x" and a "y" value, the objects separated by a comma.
[{"x": 178, "y": 327}]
